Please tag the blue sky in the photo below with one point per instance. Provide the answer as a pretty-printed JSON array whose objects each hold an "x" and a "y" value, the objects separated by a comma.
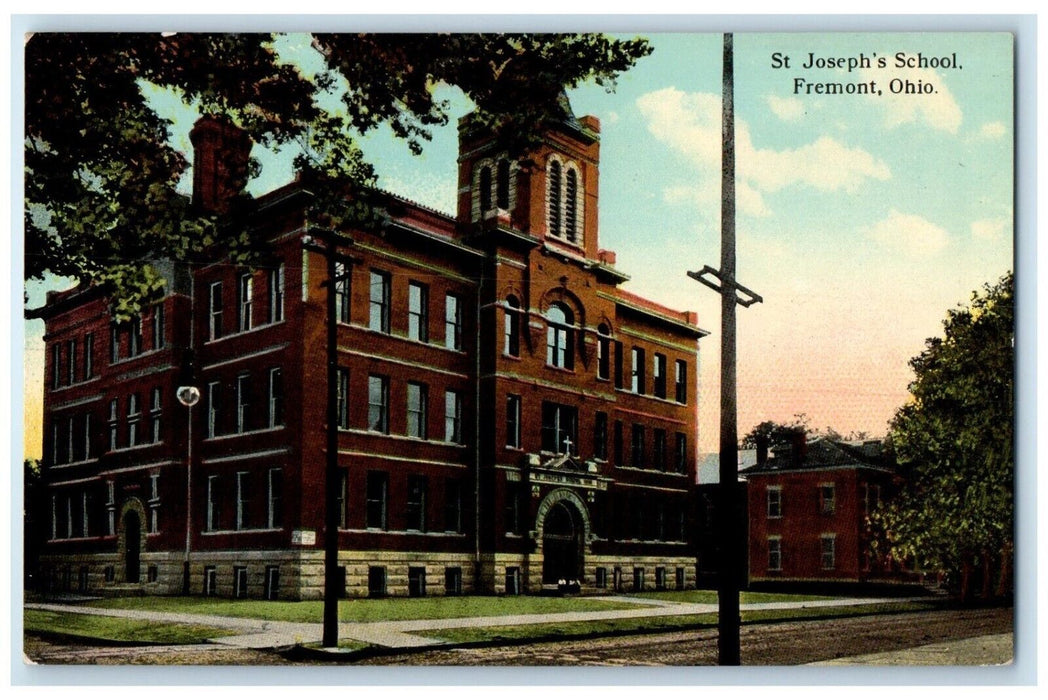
[{"x": 861, "y": 218}]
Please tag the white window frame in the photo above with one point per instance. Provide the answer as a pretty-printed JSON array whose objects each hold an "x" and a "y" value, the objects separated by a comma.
[
  {"x": 214, "y": 303},
  {"x": 774, "y": 505},
  {"x": 775, "y": 551},
  {"x": 276, "y": 398},
  {"x": 276, "y": 294},
  {"x": 452, "y": 321},
  {"x": 274, "y": 496},
  {"x": 831, "y": 552},
  {"x": 828, "y": 506},
  {"x": 213, "y": 408},
  {"x": 452, "y": 417},
  {"x": 242, "y": 503},
  {"x": 245, "y": 301},
  {"x": 242, "y": 390}
]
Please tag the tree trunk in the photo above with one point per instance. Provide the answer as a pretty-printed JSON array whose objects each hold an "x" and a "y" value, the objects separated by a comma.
[
  {"x": 966, "y": 573},
  {"x": 985, "y": 593},
  {"x": 1003, "y": 587}
]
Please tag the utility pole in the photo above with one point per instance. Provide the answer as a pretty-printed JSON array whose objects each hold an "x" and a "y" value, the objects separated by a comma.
[{"x": 728, "y": 506}]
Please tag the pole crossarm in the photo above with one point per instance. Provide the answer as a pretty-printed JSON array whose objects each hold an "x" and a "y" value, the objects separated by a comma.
[{"x": 749, "y": 297}]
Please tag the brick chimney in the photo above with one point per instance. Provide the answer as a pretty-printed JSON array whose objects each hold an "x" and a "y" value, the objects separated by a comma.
[
  {"x": 799, "y": 448},
  {"x": 220, "y": 163},
  {"x": 762, "y": 450}
]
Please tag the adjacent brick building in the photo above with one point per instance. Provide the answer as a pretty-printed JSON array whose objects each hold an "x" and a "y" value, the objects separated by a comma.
[{"x": 508, "y": 416}]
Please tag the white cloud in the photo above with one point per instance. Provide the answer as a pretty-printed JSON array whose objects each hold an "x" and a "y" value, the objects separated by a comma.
[
  {"x": 909, "y": 234},
  {"x": 788, "y": 109},
  {"x": 938, "y": 110},
  {"x": 993, "y": 130},
  {"x": 991, "y": 229},
  {"x": 691, "y": 125}
]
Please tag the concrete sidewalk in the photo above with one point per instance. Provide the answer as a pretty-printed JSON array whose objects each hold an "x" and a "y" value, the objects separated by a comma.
[
  {"x": 401, "y": 634},
  {"x": 988, "y": 650}
]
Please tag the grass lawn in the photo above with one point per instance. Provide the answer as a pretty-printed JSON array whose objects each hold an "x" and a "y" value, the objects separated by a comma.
[
  {"x": 710, "y": 597},
  {"x": 655, "y": 624},
  {"x": 118, "y": 629},
  {"x": 364, "y": 609}
]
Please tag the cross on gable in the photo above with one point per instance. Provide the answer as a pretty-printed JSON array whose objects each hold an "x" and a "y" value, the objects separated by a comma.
[{"x": 567, "y": 444}]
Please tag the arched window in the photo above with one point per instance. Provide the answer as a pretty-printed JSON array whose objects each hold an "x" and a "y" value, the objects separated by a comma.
[
  {"x": 511, "y": 333},
  {"x": 502, "y": 185},
  {"x": 554, "y": 191},
  {"x": 603, "y": 351},
  {"x": 560, "y": 336},
  {"x": 484, "y": 186},
  {"x": 570, "y": 205}
]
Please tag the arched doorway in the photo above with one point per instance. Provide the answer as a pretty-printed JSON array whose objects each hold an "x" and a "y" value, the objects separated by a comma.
[
  {"x": 132, "y": 546},
  {"x": 562, "y": 533}
]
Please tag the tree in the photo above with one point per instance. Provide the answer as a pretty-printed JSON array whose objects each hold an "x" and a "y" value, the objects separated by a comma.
[
  {"x": 776, "y": 433},
  {"x": 954, "y": 442},
  {"x": 100, "y": 196}
]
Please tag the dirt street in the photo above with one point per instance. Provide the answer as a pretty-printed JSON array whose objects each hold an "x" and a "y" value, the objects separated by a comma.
[{"x": 780, "y": 644}]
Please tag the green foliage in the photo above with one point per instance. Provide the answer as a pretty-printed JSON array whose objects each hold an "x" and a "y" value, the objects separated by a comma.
[
  {"x": 776, "y": 433},
  {"x": 954, "y": 440},
  {"x": 118, "y": 629},
  {"x": 100, "y": 197}
]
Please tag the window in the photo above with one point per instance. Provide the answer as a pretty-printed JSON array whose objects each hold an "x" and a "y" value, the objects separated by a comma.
[
  {"x": 56, "y": 366},
  {"x": 502, "y": 185},
  {"x": 416, "y": 504},
  {"x": 376, "y": 581},
  {"x": 342, "y": 292},
  {"x": 452, "y": 322},
  {"x": 276, "y": 294},
  {"x": 637, "y": 375},
  {"x": 681, "y": 384},
  {"x": 418, "y": 312},
  {"x": 243, "y": 401},
  {"x": 559, "y": 428},
  {"x": 245, "y": 292},
  {"x": 136, "y": 337},
  {"x": 214, "y": 401},
  {"x": 418, "y": 399},
  {"x": 342, "y": 487},
  {"x": 159, "y": 327},
  {"x": 154, "y": 503},
  {"x": 571, "y": 189},
  {"x": 453, "y": 505},
  {"x": 416, "y": 581},
  {"x": 272, "y": 582},
  {"x": 618, "y": 443},
  {"x": 774, "y": 554},
  {"x": 240, "y": 582},
  {"x": 71, "y": 361},
  {"x": 453, "y": 580},
  {"x": 114, "y": 343},
  {"x": 603, "y": 352},
  {"x": 275, "y": 412},
  {"x": 513, "y": 421},
  {"x": 85, "y": 513},
  {"x": 774, "y": 501},
  {"x": 638, "y": 579},
  {"x": 452, "y": 417},
  {"x": 485, "y": 188},
  {"x": 111, "y": 508},
  {"x": 680, "y": 461},
  {"x": 133, "y": 414},
  {"x": 275, "y": 509},
  {"x": 513, "y": 499},
  {"x": 828, "y": 546},
  {"x": 154, "y": 414},
  {"x": 210, "y": 581},
  {"x": 618, "y": 365},
  {"x": 511, "y": 331},
  {"x": 376, "y": 491},
  {"x": 87, "y": 436},
  {"x": 600, "y": 578},
  {"x": 89, "y": 355},
  {"x": 215, "y": 309},
  {"x": 112, "y": 425},
  {"x": 637, "y": 446},
  {"x": 659, "y": 375},
  {"x": 658, "y": 452},
  {"x": 553, "y": 187},
  {"x": 600, "y": 435},
  {"x": 513, "y": 581},
  {"x": 213, "y": 514},
  {"x": 660, "y": 578},
  {"x": 871, "y": 497},
  {"x": 680, "y": 578},
  {"x": 378, "y": 319},
  {"x": 378, "y": 404},
  {"x": 243, "y": 505},
  {"x": 560, "y": 337},
  {"x": 342, "y": 397},
  {"x": 827, "y": 499}
]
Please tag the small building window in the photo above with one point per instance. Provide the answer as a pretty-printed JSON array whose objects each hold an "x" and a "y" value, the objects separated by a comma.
[
  {"x": 377, "y": 489},
  {"x": 418, "y": 400},
  {"x": 342, "y": 397},
  {"x": 418, "y": 312},
  {"x": 637, "y": 446},
  {"x": 511, "y": 331},
  {"x": 560, "y": 428},
  {"x": 416, "y": 581},
  {"x": 560, "y": 337},
  {"x": 453, "y": 505},
  {"x": 600, "y": 579},
  {"x": 342, "y": 292},
  {"x": 452, "y": 322},
  {"x": 155, "y": 414},
  {"x": 378, "y": 403},
  {"x": 245, "y": 292},
  {"x": 774, "y": 554},
  {"x": 658, "y": 449},
  {"x": 275, "y": 509},
  {"x": 376, "y": 581},
  {"x": 71, "y": 361},
  {"x": 637, "y": 373},
  {"x": 681, "y": 383},
  {"x": 89, "y": 355},
  {"x": 210, "y": 581},
  {"x": 56, "y": 365},
  {"x": 828, "y": 546},
  {"x": 660, "y": 578},
  {"x": 513, "y": 421},
  {"x": 416, "y": 502},
  {"x": 133, "y": 415},
  {"x": 513, "y": 581},
  {"x": 680, "y": 459},
  {"x": 603, "y": 352},
  {"x": 827, "y": 499},
  {"x": 638, "y": 579},
  {"x": 774, "y": 501},
  {"x": 571, "y": 191},
  {"x": 553, "y": 186},
  {"x": 452, "y": 417},
  {"x": 378, "y": 319},
  {"x": 453, "y": 580},
  {"x": 243, "y": 513},
  {"x": 214, "y": 406},
  {"x": 215, "y": 311},
  {"x": 502, "y": 185},
  {"x": 212, "y": 519},
  {"x": 276, "y": 294},
  {"x": 159, "y": 327},
  {"x": 680, "y": 578},
  {"x": 243, "y": 391},
  {"x": 240, "y": 582},
  {"x": 272, "y": 591},
  {"x": 659, "y": 375},
  {"x": 275, "y": 404},
  {"x": 484, "y": 185}
]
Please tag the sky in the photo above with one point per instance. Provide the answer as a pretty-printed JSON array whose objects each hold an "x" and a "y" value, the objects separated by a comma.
[{"x": 861, "y": 218}]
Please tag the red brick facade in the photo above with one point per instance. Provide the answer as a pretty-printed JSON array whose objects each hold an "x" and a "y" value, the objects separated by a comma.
[{"x": 507, "y": 416}]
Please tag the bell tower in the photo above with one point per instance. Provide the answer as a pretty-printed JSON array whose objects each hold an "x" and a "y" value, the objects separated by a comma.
[{"x": 553, "y": 197}]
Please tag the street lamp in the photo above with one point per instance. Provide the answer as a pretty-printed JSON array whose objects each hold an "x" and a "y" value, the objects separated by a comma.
[{"x": 188, "y": 397}]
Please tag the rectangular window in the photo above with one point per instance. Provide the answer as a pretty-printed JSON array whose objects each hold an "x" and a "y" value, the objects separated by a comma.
[
  {"x": 342, "y": 397},
  {"x": 240, "y": 582},
  {"x": 87, "y": 436},
  {"x": 452, "y": 322},
  {"x": 452, "y": 417},
  {"x": 275, "y": 511},
  {"x": 658, "y": 449},
  {"x": 600, "y": 435},
  {"x": 243, "y": 402},
  {"x": 513, "y": 421},
  {"x": 512, "y": 502},
  {"x": 272, "y": 582},
  {"x": 376, "y": 491},
  {"x": 133, "y": 414},
  {"x": 135, "y": 340},
  {"x": 511, "y": 328},
  {"x": 215, "y": 311},
  {"x": 637, "y": 446},
  {"x": 212, "y": 520},
  {"x": 418, "y": 312},
  {"x": 871, "y": 498},
  {"x": 453, "y": 580},
  {"x": 155, "y": 414},
  {"x": 603, "y": 361},
  {"x": 827, "y": 499},
  {"x": 418, "y": 400},
  {"x": 453, "y": 505},
  {"x": 71, "y": 361},
  {"x": 416, "y": 502},
  {"x": 680, "y": 460},
  {"x": 89, "y": 355},
  {"x": 154, "y": 503},
  {"x": 376, "y": 581},
  {"x": 245, "y": 294},
  {"x": 828, "y": 546},
  {"x": 619, "y": 351},
  {"x": 659, "y": 375},
  {"x": 618, "y": 444},
  {"x": 56, "y": 365},
  {"x": 681, "y": 384},
  {"x": 680, "y": 578},
  {"x": 342, "y": 488},
  {"x": 159, "y": 327},
  {"x": 210, "y": 581},
  {"x": 774, "y": 554},
  {"x": 774, "y": 501},
  {"x": 114, "y": 343},
  {"x": 600, "y": 578},
  {"x": 111, "y": 507},
  {"x": 378, "y": 319},
  {"x": 112, "y": 425},
  {"x": 214, "y": 401},
  {"x": 416, "y": 581},
  {"x": 378, "y": 403},
  {"x": 513, "y": 586},
  {"x": 85, "y": 512},
  {"x": 638, "y": 579},
  {"x": 342, "y": 292},
  {"x": 275, "y": 412},
  {"x": 276, "y": 294},
  {"x": 660, "y": 578},
  {"x": 243, "y": 505},
  {"x": 637, "y": 375},
  {"x": 560, "y": 426}
]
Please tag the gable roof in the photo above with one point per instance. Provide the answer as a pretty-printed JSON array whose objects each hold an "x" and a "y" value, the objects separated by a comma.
[{"x": 823, "y": 453}]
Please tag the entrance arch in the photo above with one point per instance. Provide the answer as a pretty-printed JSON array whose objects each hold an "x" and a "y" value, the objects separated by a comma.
[
  {"x": 562, "y": 524},
  {"x": 132, "y": 547}
]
